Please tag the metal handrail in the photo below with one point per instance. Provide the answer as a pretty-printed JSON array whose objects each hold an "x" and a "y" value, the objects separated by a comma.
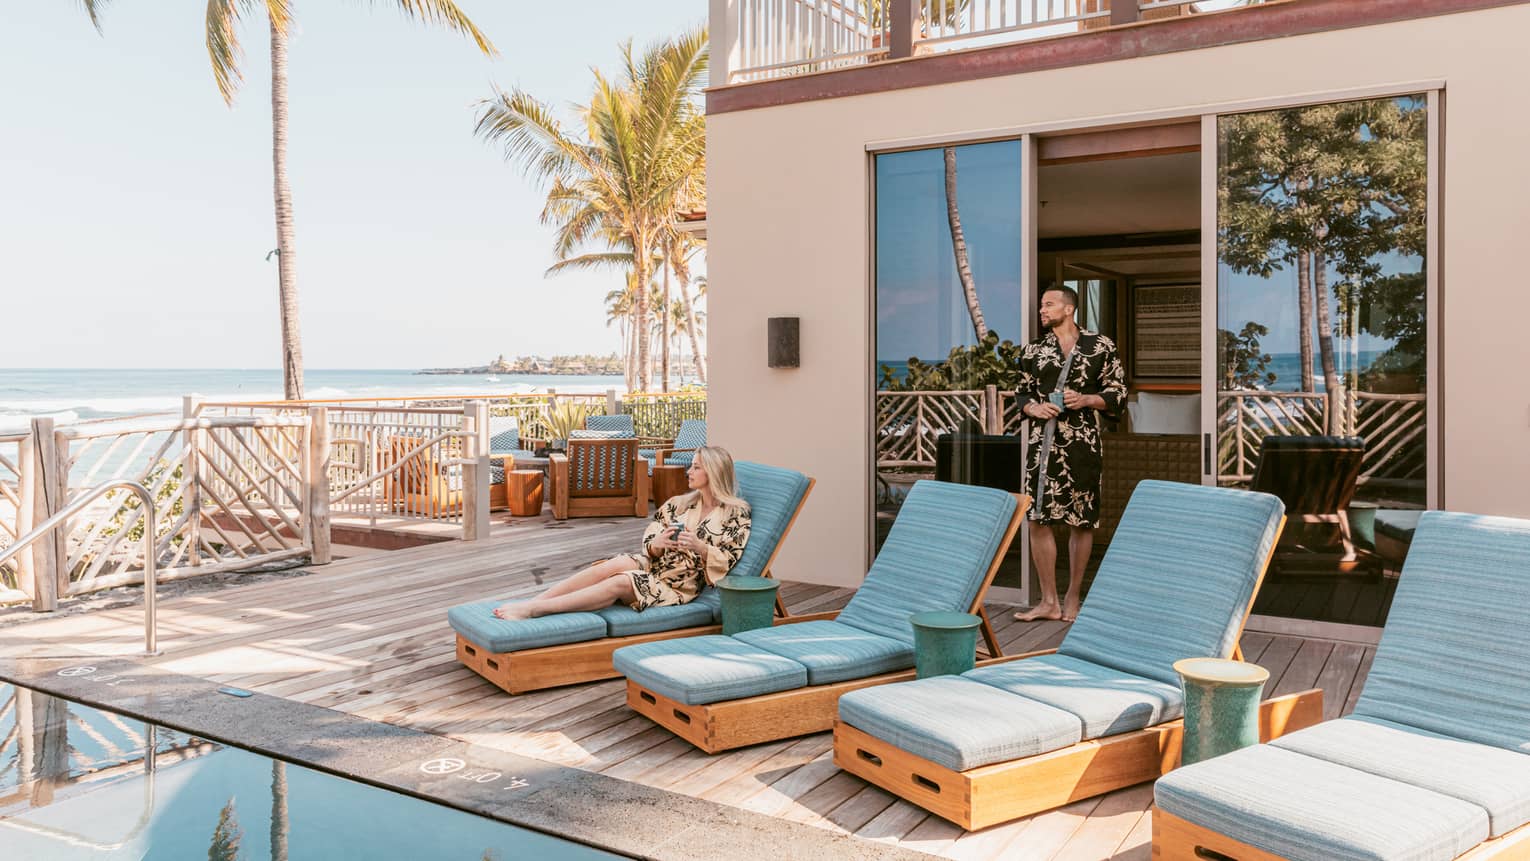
[{"x": 150, "y": 622}]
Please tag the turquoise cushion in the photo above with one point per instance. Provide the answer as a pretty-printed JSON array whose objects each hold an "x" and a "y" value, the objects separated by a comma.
[
  {"x": 1105, "y": 701},
  {"x": 1177, "y": 579},
  {"x": 623, "y": 621},
  {"x": 597, "y": 434},
  {"x": 936, "y": 557},
  {"x": 620, "y": 426},
  {"x": 957, "y": 722},
  {"x": 504, "y": 435},
  {"x": 1455, "y": 655},
  {"x": 692, "y": 435},
  {"x": 773, "y": 494},
  {"x": 700, "y": 670},
  {"x": 477, "y": 623},
  {"x": 1492, "y": 778},
  {"x": 832, "y": 652},
  {"x": 1306, "y": 809}
]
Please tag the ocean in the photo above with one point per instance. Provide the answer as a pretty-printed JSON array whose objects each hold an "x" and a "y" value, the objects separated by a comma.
[{"x": 79, "y": 394}]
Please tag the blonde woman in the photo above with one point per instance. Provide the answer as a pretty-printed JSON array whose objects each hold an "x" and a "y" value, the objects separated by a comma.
[{"x": 694, "y": 539}]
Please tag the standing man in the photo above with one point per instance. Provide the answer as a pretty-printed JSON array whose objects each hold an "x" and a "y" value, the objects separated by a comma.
[{"x": 1068, "y": 378}]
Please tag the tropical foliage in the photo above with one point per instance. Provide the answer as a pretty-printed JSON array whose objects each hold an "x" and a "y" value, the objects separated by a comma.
[
  {"x": 616, "y": 185},
  {"x": 1244, "y": 365},
  {"x": 990, "y": 362}
]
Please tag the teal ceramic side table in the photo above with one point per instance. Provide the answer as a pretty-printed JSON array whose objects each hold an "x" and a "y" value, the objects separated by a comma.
[
  {"x": 944, "y": 643},
  {"x": 747, "y": 603},
  {"x": 1221, "y": 706}
]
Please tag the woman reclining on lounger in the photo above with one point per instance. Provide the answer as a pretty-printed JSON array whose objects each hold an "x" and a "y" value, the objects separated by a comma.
[{"x": 675, "y": 563}]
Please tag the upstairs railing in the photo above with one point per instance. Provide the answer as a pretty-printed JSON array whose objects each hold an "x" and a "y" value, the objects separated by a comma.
[{"x": 761, "y": 39}]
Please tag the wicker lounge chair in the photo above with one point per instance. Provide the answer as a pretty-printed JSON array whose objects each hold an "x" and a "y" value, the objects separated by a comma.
[
  {"x": 576, "y": 647},
  {"x": 598, "y": 478},
  {"x": 679, "y": 451},
  {"x": 724, "y": 692},
  {"x": 1434, "y": 762},
  {"x": 1019, "y": 735}
]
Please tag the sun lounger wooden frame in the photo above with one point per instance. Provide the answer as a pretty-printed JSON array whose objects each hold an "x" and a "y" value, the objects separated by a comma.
[
  {"x": 1176, "y": 838},
  {"x": 736, "y": 723},
  {"x": 991, "y": 794},
  {"x": 590, "y": 661}
]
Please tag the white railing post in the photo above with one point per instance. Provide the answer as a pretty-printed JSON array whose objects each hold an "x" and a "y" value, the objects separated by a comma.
[
  {"x": 47, "y": 499},
  {"x": 723, "y": 29},
  {"x": 192, "y": 479},
  {"x": 315, "y": 458},
  {"x": 475, "y": 472},
  {"x": 612, "y": 404}
]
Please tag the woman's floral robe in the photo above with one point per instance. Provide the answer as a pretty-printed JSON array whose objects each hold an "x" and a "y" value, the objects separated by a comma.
[{"x": 678, "y": 576}]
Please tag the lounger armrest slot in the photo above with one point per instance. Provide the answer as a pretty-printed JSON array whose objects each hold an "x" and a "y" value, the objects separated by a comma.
[
  {"x": 927, "y": 783},
  {"x": 682, "y": 716},
  {"x": 470, "y": 650},
  {"x": 870, "y": 757},
  {"x": 1212, "y": 854},
  {"x": 493, "y": 664},
  {"x": 648, "y": 698}
]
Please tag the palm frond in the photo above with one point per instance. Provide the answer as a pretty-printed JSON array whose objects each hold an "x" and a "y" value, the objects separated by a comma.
[
  {"x": 93, "y": 9},
  {"x": 532, "y": 137},
  {"x": 617, "y": 260},
  {"x": 223, "y": 43},
  {"x": 446, "y": 13}
]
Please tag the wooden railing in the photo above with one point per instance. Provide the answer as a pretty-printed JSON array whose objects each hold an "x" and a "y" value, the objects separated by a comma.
[
  {"x": 909, "y": 422},
  {"x": 1393, "y": 427},
  {"x": 762, "y": 39},
  {"x": 13, "y": 453},
  {"x": 230, "y": 493}
]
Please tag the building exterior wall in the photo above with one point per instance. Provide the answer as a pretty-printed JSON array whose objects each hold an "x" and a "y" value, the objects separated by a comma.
[{"x": 789, "y": 232}]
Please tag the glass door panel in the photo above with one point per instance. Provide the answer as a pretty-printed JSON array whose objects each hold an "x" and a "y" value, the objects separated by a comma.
[{"x": 1320, "y": 355}]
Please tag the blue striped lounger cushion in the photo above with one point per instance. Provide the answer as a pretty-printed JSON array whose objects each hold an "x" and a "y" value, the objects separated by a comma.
[
  {"x": 773, "y": 494},
  {"x": 623, "y": 621},
  {"x": 957, "y": 722},
  {"x": 477, "y": 624},
  {"x": 1492, "y": 778},
  {"x": 1105, "y": 701},
  {"x": 1307, "y": 809},
  {"x": 832, "y": 652},
  {"x": 700, "y": 670},
  {"x": 1177, "y": 580}
]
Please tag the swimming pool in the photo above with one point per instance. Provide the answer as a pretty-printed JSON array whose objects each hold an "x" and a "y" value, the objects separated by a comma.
[{"x": 78, "y": 782}]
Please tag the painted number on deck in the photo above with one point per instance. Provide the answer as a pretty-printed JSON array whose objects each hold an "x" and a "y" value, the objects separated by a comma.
[{"x": 450, "y": 765}]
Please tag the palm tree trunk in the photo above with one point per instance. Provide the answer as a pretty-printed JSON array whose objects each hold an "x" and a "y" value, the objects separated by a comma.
[
  {"x": 1304, "y": 315},
  {"x": 642, "y": 254},
  {"x": 280, "y": 826},
  {"x": 690, "y": 329},
  {"x": 959, "y": 247},
  {"x": 286, "y": 263},
  {"x": 1325, "y": 344},
  {"x": 664, "y": 326}
]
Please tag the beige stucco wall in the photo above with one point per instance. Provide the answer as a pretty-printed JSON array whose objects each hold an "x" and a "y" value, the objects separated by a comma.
[{"x": 789, "y": 230}]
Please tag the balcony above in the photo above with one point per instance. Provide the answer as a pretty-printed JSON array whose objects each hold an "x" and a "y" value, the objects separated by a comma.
[{"x": 771, "y": 52}]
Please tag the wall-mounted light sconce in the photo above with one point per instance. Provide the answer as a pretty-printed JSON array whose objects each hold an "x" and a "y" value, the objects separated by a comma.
[{"x": 784, "y": 343}]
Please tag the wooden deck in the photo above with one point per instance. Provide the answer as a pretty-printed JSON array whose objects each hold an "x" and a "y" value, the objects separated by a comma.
[{"x": 368, "y": 635}]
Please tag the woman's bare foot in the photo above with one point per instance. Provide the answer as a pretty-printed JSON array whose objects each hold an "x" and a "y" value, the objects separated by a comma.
[
  {"x": 514, "y": 611},
  {"x": 1044, "y": 610}
]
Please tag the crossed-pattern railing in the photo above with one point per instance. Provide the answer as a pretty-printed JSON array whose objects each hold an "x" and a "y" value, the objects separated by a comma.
[
  {"x": 1393, "y": 427},
  {"x": 909, "y": 422},
  {"x": 12, "y": 451}
]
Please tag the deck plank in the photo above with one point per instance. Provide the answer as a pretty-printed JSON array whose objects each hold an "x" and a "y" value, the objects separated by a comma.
[{"x": 368, "y": 635}]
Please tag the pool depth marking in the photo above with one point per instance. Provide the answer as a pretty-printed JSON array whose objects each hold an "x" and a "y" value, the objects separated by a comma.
[
  {"x": 87, "y": 673},
  {"x": 450, "y": 765}
]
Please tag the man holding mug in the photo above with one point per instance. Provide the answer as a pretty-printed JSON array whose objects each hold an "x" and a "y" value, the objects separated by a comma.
[{"x": 1068, "y": 378}]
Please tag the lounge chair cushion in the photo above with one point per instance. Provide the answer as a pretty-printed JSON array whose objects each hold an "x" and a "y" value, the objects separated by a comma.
[
  {"x": 1455, "y": 655},
  {"x": 477, "y": 623},
  {"x": 504, "y": 435},
  {"x": 957, "y": 722},
  {"x": 597, "y": 434},
  {"x": 701, "y": 670},
  {"x": 1492, "y": 778},
  {"x": 623, "y": 621},
  {"x": 773, "y": 494},
  {"x": 1177, "y": 579},
  {"x": 692, "y": 435},
  {"x": 831, "y": 651},
  {"x": 1307, "y": 809},
  {"x": 619, "y": 426},
  {"x": 1105, "y": 701},
  {"x": 936, "y": 557}
]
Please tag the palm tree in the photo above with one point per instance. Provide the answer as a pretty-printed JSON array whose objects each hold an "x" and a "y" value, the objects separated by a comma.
[
  {"x": 680, "y": 251},
  {"x": 959, "y": 248},
  {"x": 621, "y": 182},
  {"x": 223, "y": 18}
]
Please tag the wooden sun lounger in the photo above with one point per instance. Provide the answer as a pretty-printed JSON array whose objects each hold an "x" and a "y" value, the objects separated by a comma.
[
  {"x": 588, "y": 661},
  {"x": 991, "y": 794},
  {"x": 729, "y": 724},
  {"x": 1175, "y": 839}
]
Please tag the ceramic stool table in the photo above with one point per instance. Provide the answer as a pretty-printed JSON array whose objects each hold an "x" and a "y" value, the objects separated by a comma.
[
  {"x": 747, "y": 602},
  {"x": 944, "y": 643},
  {"x": 1221, "y": 706}
]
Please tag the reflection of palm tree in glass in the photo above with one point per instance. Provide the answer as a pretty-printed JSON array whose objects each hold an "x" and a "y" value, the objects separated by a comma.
[
  {"x": 280, "y": 826},
  {"x": 226, "y": 836},
  {"x": 959, "y": 248}
]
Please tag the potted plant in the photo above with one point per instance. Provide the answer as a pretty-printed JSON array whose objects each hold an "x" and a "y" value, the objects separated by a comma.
[{"x": 561, "y": 419}]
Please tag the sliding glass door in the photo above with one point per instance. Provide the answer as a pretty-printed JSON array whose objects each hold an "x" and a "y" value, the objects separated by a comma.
[{"x": 1322, "y": 356}]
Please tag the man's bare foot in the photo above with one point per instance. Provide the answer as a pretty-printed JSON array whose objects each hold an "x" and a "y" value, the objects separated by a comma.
[
  {"x": 1044, "y": 610},
  {"x": 1070, "y": 610},
  {"x": 514, "y": 611}
]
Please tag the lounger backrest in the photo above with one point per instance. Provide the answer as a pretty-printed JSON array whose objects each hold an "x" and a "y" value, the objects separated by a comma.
[
  {"x": 773, "y": 494},
  {"x": 936, "y": 556},
  {"x": 1177, "y": 580},
  {"x": 620, "y": 425},
  {"x": 1455, "y": 655},
  {"x": 692, "y": 435}
]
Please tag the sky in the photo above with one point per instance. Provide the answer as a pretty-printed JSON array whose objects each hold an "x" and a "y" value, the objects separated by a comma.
[{"x": 136, "y": 208}]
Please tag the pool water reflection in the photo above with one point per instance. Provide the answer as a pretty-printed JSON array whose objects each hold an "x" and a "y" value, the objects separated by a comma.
[{"x": 77, "y": 782}]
